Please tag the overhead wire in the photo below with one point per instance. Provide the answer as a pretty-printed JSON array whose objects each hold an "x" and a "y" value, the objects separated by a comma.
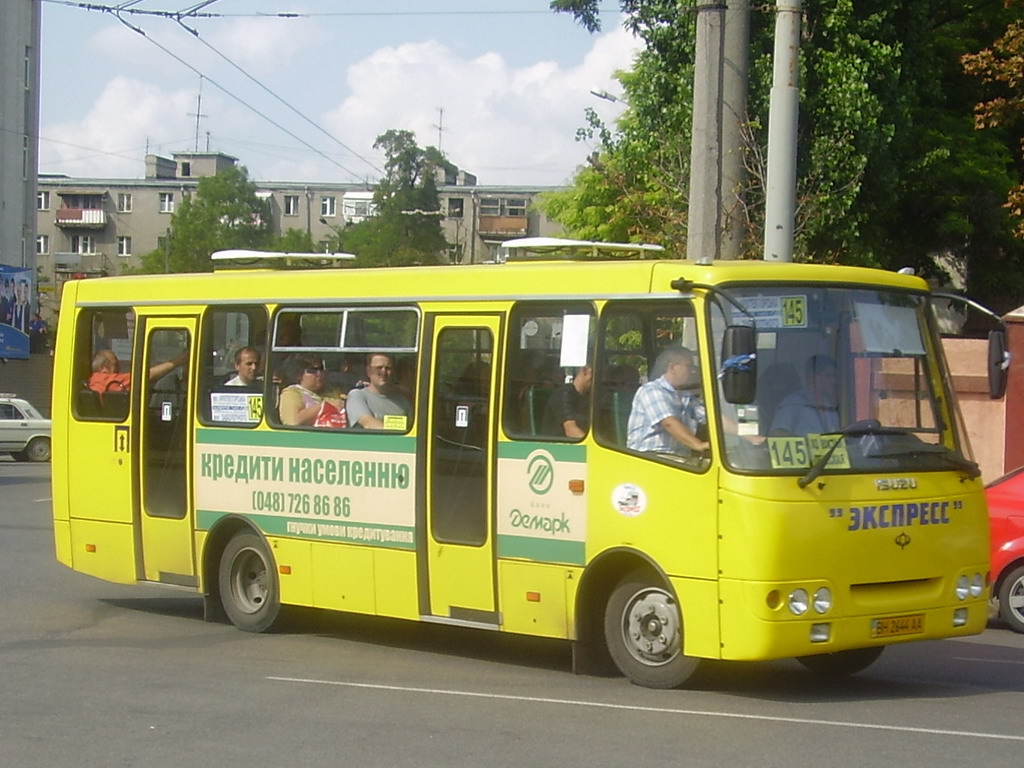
[
  {"x": 239, "y": 99},
  {"x": 318, "y": 127}
]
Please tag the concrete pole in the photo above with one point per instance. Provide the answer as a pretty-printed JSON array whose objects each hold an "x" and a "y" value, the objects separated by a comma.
[
  {"x": 780, "y": 205},
  {"x": 703, "y": 229},
  {"x": 734, "y": 116}
]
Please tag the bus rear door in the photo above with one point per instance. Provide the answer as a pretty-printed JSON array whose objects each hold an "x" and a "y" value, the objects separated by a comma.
[
  {"x": 459, "y": 558},
  {"x": 165, "y": 441}
]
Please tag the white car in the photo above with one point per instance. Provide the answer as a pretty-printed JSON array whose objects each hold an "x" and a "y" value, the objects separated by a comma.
[{"x": 24, "y": 433}]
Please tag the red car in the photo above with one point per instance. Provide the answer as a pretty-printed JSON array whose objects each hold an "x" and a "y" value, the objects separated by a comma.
[{"x": 1006, "y": 519}]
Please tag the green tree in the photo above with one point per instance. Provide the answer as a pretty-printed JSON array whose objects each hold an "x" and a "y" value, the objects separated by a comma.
[
  {"x": 1002, "y": 65},
  {"x": 293, "y": 241},
  {"x": 224, "y": 212},
  {"x": 890, "y": 170},
  {"x": 406, "y": 229}
]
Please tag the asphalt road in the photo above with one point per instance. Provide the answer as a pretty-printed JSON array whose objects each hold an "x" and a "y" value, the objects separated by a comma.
[{"x": 97, "y": 674}]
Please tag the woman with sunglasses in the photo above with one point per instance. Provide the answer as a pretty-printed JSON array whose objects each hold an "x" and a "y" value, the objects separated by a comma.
[{"x": 302, "y": 399}]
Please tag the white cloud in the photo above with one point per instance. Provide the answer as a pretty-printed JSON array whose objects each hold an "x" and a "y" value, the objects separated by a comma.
[
  {"x": 110, "y": 140},
  {"x": 507, "y": 125}
]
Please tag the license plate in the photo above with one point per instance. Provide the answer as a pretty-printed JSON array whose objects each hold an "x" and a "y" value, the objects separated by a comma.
[{"x": 893, "y": 626}]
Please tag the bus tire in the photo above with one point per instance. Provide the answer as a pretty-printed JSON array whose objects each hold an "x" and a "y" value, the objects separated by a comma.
[
  {"x": 1011, "y": 599},
  {"x": 842, "y": 663},
  {"x": 643, "y": 628},
  {"x": 248, "y": 583}
]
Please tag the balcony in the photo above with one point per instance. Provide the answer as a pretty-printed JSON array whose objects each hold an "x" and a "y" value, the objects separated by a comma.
[
  {"x": 512, "y": 226},
  {"x": 81, "y": 218}
]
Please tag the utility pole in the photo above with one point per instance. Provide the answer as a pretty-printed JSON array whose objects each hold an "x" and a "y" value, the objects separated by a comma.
[
  {"x": 703, "y": 233},
  {"x": 780, "y": 204},
  {"x": 735, "y": 83},
  {"x": 715, "y": 226}
]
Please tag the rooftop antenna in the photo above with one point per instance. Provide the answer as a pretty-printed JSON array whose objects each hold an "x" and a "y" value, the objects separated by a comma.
[
  {"x": 439, "y": 125},
  {"x": 199, "y": 112}
]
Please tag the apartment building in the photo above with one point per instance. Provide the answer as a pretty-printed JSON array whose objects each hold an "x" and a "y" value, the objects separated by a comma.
[
  {"x": 19, "y": 129},
  {"x": 94, "y": 227}
]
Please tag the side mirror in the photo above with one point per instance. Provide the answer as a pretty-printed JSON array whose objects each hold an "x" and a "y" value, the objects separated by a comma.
[
  {"x": 998, "y": 363},
  {"x": 739, "y": 364}
]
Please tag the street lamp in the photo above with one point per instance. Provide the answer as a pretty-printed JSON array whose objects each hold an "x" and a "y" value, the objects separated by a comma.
[
  {"x": 601, "y": 93},
  {"x": 335, "y": 229}
]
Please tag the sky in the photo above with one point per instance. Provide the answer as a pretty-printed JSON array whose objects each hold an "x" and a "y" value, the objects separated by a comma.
[{"x": 501, "y": 87}]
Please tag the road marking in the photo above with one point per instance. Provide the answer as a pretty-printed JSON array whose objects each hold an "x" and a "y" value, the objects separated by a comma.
[
  {"x": 655, "y": 710},
  {"x": 987, "y": 661},
  {"x": 41, "y": 501}
]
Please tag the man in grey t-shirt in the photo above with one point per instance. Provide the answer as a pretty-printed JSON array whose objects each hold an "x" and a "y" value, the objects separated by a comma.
[{"x": 378, "y": 405}]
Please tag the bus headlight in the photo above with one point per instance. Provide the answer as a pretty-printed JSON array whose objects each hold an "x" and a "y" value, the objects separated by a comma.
[
  {"x": 977, "y": 585},
  {"x": 822, "y": 600},
  {"x": 798, "y": 602},
  {"x": 963, "y": 587}
]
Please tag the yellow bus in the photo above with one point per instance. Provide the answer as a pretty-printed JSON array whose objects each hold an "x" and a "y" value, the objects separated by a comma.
[{"x": 524, "y": 481}]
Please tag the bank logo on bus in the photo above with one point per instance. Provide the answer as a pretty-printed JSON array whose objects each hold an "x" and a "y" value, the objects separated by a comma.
[{"x": 540, "y": 469}]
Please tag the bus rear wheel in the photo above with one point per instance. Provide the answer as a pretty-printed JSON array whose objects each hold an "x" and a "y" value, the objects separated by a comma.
[
  {"x": 842, "y": 663},
  {"x": 248, "y": 584},
  {"x": 643, "y": 628}
]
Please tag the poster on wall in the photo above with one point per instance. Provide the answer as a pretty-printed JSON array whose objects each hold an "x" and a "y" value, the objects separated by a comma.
[{"x": 15, "y": 311}]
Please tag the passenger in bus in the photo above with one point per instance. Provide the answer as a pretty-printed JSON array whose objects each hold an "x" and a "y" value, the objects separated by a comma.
[
  {"x": 378, "y": 405},
  {"x": 302, "y": 400},
  {"x": 107, "y": 377},
  {"x": 567, "y": 413},
  {"x": 247, "y": 368},
  {"x": 813, "y": 409},
  {"x": 666, "y": 415}
]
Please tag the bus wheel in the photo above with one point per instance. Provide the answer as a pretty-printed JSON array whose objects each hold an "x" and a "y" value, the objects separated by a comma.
[
  {"x": 643, "y": 628},
  {"x": 248, "y": 584},
  {"x": 1011, "y": 599},
  {"x": 842, "y": 663}
]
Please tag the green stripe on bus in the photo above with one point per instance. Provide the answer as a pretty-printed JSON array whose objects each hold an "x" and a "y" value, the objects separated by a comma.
[
  {"x": 391, "y": 536},
  {"x": 542, "y": 550},
  {"x": 560, "y": 452},
  {"x": 344, "y": 440}
]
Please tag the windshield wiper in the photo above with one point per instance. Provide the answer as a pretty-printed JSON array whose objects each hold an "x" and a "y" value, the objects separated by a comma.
[
  {"x": 857, "y": 429},
  {"x": 971, "y": 468}
]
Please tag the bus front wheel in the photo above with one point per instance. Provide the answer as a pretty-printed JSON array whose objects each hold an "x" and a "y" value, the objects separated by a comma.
[
  {"x": 248, "y": 584},
  {"x": 842, "y": 663},
  {"x": 643, "y": 628}
]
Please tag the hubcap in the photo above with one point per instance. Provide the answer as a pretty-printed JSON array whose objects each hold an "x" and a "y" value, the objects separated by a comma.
[
  {"x": 249, "y": 581},
  {"x": 651, "y": 627}
]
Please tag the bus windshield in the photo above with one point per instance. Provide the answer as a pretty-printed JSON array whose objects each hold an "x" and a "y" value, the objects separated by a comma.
[{"x": 849, "y": 372}]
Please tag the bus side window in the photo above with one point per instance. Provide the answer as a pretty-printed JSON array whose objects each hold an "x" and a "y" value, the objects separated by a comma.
[
  {"x": 231, "y": 377},
  {"x": 632, "y": 336},
  {"x": 549, "y": 345},
  {"x": 103, "y": 354}
]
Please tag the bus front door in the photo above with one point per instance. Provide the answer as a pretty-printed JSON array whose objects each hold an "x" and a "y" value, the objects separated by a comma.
[
  {"x": 459, "y": 557},
  {"x": 165, "y": 441}
]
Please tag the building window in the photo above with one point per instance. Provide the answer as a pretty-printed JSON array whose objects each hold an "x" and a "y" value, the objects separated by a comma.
[
  {"x": 291, "y": 205},
  {"x": 124, "y": 202},
  {"x": 166, "y": 202},
  {"x": 83, "y": 244},
  {"x": 502, "y": 206},
  {"x": 124, "y": 245},
  {"x": 455, "y": 207},
  {"x": 186, "y": 169},
  {"x": 42, "y": 201},
  {"x": 42, "y": 244},
  {"x": 515, "y": 206},
  {"x": 327, "y": 206}
]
